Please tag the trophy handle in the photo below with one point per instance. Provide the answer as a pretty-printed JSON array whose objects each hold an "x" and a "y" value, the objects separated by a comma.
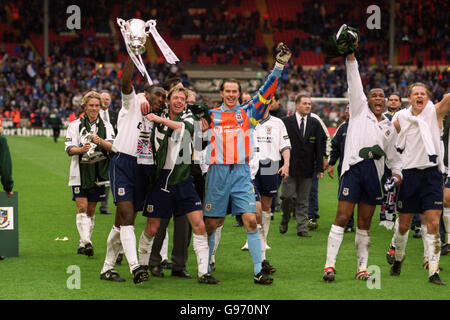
[
  {"x": 149, "y": 25},
  {"x": 121, "y": 23}
]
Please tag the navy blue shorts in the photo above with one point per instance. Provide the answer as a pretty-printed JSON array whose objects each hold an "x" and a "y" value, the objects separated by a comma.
[
  {"x": 420, "y": 190},
  {"x": 361, "y": 184},
  {"x": 181, "y": 199},
  {"x": 128, "y": 179},
  {"x": 257, "y": 194},
  {"x": 97, "y": 196},
  {"x": 266, "y": 181},
  {"x": 447, "y": 182}
]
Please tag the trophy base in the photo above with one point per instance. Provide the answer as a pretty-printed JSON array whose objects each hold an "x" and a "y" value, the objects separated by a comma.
[
  {"x": 102, "y": 183},
  {"x": 92, "y": 158}
]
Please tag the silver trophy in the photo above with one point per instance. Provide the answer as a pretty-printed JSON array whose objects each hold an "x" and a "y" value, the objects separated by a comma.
[
  {"x": 135, "y": 33},
  {"x": 91, "y": 156}
]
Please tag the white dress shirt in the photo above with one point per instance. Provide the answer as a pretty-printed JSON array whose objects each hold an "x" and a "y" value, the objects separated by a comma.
[{"x": 299, "y": 117}]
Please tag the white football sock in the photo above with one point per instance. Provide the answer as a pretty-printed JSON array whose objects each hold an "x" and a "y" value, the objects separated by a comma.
[
  {"x": 424, "y": 232},
  {"x": 396, "y": 223},
  {"x": 266, "y": 219},
  {"x": 91, "y": 229},
  {"x": 201, "y": 249},
  {"x": 362, "y": 243},
  {"x": 399, "y": 242},
  {"x": 145, "y": 248},
  {"x": 165, "y": 247},
  {"x": 217, "y": 236},
  {"x": 263, "y": 241},
  {"x": 113, "y": 247},
  {"x": 84, "y": 227},
  {"x": 335, "y": 238},
  {"x": 434, "y": 253},
  {"x": 128, "y": 239},
  {"x": 446, "y": 218}
]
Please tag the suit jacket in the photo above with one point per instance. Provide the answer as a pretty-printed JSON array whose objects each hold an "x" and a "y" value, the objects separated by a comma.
[
  {"x": 305, "y": 150},
  {"x": 113, "y": 119},
  {"x": 338, "y": 146}
]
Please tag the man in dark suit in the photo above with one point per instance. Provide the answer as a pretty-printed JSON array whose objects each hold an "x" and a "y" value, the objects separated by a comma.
[
  {"x": 108, "y": 115},
  {"x": 307, "y": 142}
]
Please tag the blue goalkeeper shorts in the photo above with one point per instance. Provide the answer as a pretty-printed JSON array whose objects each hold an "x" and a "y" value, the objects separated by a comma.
[{"x": 223, "y": 182}]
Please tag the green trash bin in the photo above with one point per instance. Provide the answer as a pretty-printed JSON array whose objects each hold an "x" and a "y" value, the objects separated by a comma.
[{"x": 9, "y": 225}]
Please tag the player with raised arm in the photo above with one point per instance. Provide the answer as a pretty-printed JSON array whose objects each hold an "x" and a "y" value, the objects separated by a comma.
[
  {"x": 228, "y": 154},
  {"x": 419, "y": 127},
  {"x": 129, "y": 170},
  {"x": 370, "y": 139}
]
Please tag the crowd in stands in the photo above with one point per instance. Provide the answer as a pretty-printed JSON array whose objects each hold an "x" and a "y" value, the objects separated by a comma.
[
  {"x": 59, "y": 83},
  {"x": 33, "y": 87}
]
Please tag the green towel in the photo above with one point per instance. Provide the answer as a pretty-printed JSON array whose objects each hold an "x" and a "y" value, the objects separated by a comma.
[
  {"x": 342, "y": 43},
  {"x": 374, "y": 152},
  {"x": 93, "y": 172}
]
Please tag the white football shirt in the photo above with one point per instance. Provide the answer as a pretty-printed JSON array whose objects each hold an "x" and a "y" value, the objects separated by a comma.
[
  {"x": 270, "y": 139},
  {"x": 133, "y": 130},
  {"x": 415, "y": 153},
  {"x": 73, "y": 139},
  {"x": 364, "y": 130}
]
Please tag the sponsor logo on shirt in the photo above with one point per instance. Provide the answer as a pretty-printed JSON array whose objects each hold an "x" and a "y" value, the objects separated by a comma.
[{"x": 239, "y": 118}]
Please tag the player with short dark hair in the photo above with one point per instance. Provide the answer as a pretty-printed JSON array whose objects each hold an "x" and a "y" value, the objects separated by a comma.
[
  {"x": 228, "y": 153},
  {"x": 370, "y": 139},
  {"x": 129, "y": 170}
]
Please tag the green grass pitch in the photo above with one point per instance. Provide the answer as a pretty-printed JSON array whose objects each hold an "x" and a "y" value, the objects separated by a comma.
[{"x": 46, "y": 212}]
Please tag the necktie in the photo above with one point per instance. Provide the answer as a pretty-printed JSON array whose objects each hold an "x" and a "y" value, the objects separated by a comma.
[
  {"x": 302, "y": 127},
  {"x": 106, "y": 115}
]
